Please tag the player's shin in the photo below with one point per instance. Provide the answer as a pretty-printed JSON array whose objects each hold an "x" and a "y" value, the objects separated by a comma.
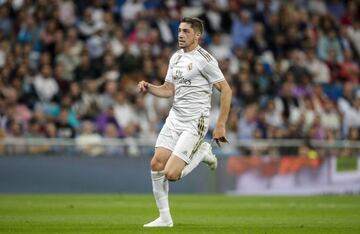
[{"x": 161, "y": 190}]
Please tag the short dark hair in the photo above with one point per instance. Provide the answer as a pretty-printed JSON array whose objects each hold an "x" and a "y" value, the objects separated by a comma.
[{"x": 196, "y": 23}]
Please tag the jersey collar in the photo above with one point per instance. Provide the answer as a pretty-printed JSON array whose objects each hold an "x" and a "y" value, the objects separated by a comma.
[{"x": 192, "y": 51}]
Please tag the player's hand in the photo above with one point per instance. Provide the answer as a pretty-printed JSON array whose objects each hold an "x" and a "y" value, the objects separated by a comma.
[
  {"x": 143, "y": 86},
  {"x": 219, "y": 135}
]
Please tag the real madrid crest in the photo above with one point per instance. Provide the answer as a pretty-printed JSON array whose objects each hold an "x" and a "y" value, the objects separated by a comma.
[{"x": 189, "y": 66}]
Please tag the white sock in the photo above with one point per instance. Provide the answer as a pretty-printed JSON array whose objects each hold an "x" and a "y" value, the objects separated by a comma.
[
  {"x": 161, "y": 190},
  {"x": 197, "y": 158}
]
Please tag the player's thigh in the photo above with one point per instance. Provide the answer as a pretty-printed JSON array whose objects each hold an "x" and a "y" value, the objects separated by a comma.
[
  {"x": 160, "y": 158},
  {"x": 183, "y": 151},
  {"x": 186, "y": 146}
]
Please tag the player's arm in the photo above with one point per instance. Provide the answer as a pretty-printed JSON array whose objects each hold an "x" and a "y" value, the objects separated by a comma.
[
  {"x": 225, "y": 104},
  {"x": 165, "y": 90}
]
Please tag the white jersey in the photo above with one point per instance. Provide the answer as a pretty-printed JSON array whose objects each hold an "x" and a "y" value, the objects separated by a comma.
[{"x": 193, "y": 75}]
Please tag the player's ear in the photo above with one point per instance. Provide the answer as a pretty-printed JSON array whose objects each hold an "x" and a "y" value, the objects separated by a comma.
[{"x": 197, "y": 35}]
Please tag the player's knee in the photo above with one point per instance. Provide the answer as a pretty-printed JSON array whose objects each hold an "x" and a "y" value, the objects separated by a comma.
[
  {"x": 172, "y": 175},
  {"x": 156, "y": 165}
]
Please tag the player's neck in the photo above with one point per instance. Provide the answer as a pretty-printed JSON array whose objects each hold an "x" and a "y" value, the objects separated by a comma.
[{"x": 191, "y": 47}]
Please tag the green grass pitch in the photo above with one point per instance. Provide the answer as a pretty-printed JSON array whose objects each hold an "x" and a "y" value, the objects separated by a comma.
[{"x": 191, "y": 213}]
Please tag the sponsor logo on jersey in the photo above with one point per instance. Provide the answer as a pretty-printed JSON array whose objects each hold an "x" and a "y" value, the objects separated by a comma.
[{"x": 179, "y": 77}]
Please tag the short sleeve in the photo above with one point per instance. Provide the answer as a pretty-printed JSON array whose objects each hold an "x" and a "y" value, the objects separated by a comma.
[
  {"x": 168, "y": 76},
  {"x": 212, "y": 72}
]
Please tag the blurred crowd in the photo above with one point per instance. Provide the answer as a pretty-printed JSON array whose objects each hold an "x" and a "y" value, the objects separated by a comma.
[{"x": 69, "y": 69}]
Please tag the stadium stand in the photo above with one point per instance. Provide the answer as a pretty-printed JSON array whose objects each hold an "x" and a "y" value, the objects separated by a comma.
[{"x": 69, "y": 69}]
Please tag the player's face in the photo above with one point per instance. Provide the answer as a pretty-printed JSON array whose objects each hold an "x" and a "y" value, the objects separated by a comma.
[{"x": 188, "y": 38}]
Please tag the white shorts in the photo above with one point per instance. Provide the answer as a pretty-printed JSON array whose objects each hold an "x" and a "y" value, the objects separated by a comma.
[{"x": 183, "y": 138}]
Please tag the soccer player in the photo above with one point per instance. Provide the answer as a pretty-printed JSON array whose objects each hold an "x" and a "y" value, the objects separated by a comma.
[{"x": 179, "y": 148}]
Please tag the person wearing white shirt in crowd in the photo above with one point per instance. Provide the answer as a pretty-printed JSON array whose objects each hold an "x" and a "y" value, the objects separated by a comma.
[
  {"x": 318, "y": 69},
  {"x": 329, "y": 116},
  {"x": 45, "y": 85}
]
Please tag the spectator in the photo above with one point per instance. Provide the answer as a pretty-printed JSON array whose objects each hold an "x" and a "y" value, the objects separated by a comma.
[
  {"x": 257, "y": 42},
  {"x": 51, "y": 130},
  {"x": 334, "y": 66},
  {"x": 349, "y": 69},
  {"x": 128, "y": 61},
  {"x": 247, "y": 123},
  {"x": 110, "y": 134},
  {"x": 131, "y": 10},
  {"x": 235, "y": 61},
  {"x": 218, "y": 48},
  {"x": 90, "y": 105},
  {"x": 351, "y": 14},
  {"x": 242, "y": 29},
  {"x": 107, "y": 98},
  {"x": 317, "y": 6},
  {"x": 48, "y": 37},
  {"x": 336, "y": 8},
  {"x": 354, "y": 34},
  {"x": 143, "y": 119},
  {"x": 68, "y": 60},
  {"x": 45, "y": 85},
  {"x": 63, "y": 84},
  {"x": 88, "y": 141},
  {"x": 327, "y": 42},
  {"x": 76, "y": 46},
  {"x": 330, "y": 117},
  {"x": 264, "y": 85},
  {"x": 163, "y": 23},
  {"x": 349, "y": 108},
  {"x": 215, "y": 19},
  {"x": 96, "y": 43},
  {"x": 273, "y": 116},
  {"x": 20, "y": 112},
  {"x": 318, "y": 69},
  {"x": 85, "y": 70},
  {"x": 110, "y": 70},
  {"x": 117, "y": 42},
  {"x": 55, "y": 110},
  {"x": 67, "y": 13},
  {"x": 30, "y": 33},
  {"x": 354, "y": 134},
  {"x": 318, "y": 98},
  {"x": 63, "y": 128},
  {"x": 87, "y": 26},
  {"x": 287, "y": 103},
  {"x": 247, "y": 94},
  {"x": 6, "y": 22},
  {"x": 125, "y": 114},
  {"x": 108, "y": 117}
]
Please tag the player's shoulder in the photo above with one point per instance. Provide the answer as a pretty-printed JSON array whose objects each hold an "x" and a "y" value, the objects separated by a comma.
[
  {"x": 203, "y": 56},
  {"x": 176, "y": 54},
  {"x": 180, "y": 51}
]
